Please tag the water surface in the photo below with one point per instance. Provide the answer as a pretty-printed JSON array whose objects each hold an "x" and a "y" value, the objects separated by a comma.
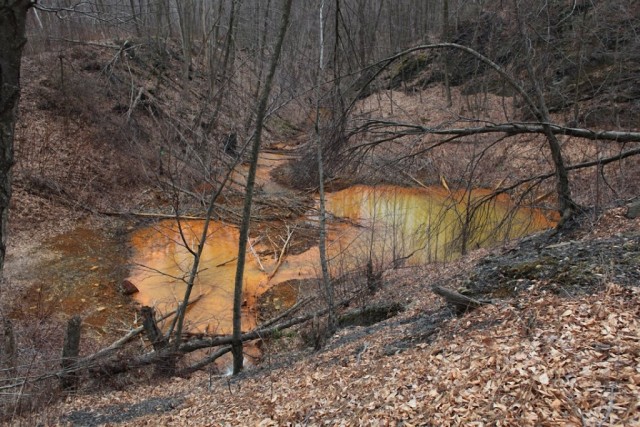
[{"x": 392, "y": 226}]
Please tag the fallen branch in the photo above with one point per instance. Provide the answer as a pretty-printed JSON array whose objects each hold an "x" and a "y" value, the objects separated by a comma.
[
  {"x": 204, "y": 362},
  {"x": 507, "y": 128},
  {"x": 125, "y": 339},
  {"x": 281, "y": 257},
  {"x": 542, "y": 177},
  {"x": 461, "y": 303},
  {"x": 134, "y": 104},
  {"x": 222, "y": 264},
  {"x": 286, "y": 313},
  {"x": 224, "y": 350},
  {"x": 255, "y": 255},
  {"x": 119, "y": 366},
  {"x": 147, "y": 215}
]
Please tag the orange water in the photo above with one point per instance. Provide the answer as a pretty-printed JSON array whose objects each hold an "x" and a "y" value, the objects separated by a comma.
[
  {"x": 391, "y": 225},
  {"x": 426, "y": 224},
  {"x": 163, "y": 264}
]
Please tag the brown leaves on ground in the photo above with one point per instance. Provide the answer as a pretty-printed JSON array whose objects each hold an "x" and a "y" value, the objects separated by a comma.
[{"x": 543, "y": 361}]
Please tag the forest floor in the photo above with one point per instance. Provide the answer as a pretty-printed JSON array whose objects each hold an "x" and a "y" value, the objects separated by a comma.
[{"x": 559, "y": 343}]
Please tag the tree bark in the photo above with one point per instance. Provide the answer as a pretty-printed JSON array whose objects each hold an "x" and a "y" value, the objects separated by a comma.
[
  {"x": 322, "y": 235},
  {"x": 9, "y": 350},
  {"x": 236, "y": 345},
  {"x": 13, "y": 18},
  {"x": 157, "y": 339},
  {"x": 70, "y": 352}
]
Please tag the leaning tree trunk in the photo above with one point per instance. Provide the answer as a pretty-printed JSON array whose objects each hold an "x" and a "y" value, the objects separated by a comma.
[
  {"x": 322, "y": 235},
  {"x": 236, "y": 345},
  {"x": 13, "y": 17}
]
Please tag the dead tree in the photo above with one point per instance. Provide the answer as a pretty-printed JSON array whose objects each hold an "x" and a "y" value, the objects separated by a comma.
[
  {"x": 246, "y": 216},
  {"x": 157, "y": 339},
  {"x": 70, "y": 352}
]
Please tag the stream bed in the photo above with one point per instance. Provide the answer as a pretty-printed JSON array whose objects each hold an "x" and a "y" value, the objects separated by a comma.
[
  {"x": 81, "y": 271},
  {"x": 392, "y": 226}
]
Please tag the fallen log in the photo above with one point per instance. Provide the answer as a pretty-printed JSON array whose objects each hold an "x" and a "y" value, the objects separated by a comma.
[
  {"x": 119, "y": 366},
  {"x": 461, "y": 303},
  {"x": 224, "y": 350},
  {"x": 86, "y": 361},
  {"x": 70, "y": 351}
]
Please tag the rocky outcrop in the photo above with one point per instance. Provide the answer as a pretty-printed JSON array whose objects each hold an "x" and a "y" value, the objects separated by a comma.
[
  {"x": 633, "y": 209},
  {"x": 567, "y": 268}
]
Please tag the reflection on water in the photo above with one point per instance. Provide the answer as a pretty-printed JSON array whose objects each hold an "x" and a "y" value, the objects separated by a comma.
[
  {"x": 418, "y": 225},
  {"x": 390, "y": 225},
  {"x": 163, "y": 264}
]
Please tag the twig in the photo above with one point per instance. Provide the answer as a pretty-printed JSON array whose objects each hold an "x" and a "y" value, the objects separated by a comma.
[
  {"x": 134, "y": 104},
  {"x": 222, "y": 264},
  {"x": 253, "y": 251},
  {"x": 281, "y": 257},
  {"x": 285, "y": 313},
  {"x": 365, "y": 347}
]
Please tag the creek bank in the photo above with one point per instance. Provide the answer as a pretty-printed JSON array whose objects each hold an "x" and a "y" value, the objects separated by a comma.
[
  {"x": 566, "y": 266},
  {"x": 75, "y": 272},
  {"x": 560, "y": 266}
]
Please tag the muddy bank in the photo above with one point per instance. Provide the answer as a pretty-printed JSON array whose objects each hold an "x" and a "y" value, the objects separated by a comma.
[
  {"x": 565, "y": 266},
  {"x": 76, "y": 271},
  {"x": 546, "y": 262}
]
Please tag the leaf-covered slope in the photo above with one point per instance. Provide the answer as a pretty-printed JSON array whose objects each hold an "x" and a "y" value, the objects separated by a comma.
[{"x": 538, "y": 358}]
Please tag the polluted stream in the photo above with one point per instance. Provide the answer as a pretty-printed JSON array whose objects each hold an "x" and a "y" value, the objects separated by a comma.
[
  {"x": 392, "y": 226},
  {"x": 389, "y": 225}
]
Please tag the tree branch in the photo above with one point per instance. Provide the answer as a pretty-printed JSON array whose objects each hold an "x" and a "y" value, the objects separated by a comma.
[{"x": 508, "y": 128}]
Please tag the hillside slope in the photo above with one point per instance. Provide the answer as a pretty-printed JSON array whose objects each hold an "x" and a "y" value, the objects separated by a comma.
[
  {"x": 557, "y": 352},
  {"x": 558, "y": 345}
]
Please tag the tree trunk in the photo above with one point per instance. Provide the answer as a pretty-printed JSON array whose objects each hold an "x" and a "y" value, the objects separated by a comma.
[
  {"x": 322, "y": 235},
  {"x": 185, "y": 19},
  {"x": 134, "y": 16},
  {"x": 157, "y": 339},
  {"x": 445, "y": 54},
  {"x": 236, "y": 346},
  {"x": 567, "y": 206},
  {"x": 9, "y": 349},
  {"x": 221, "y": 75},
  {"x": 70, "y": 352},
  {"x": 13, "y": 17}
]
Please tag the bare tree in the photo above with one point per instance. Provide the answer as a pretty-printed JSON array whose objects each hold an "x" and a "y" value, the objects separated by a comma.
[
  {"x": 567, "y": 206},
  {"x": 13, "y": 19},
  {"x": 322, "y": 237},
  {"x": 543, "y": 125},
  {"x": 237, "y": 348}
]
